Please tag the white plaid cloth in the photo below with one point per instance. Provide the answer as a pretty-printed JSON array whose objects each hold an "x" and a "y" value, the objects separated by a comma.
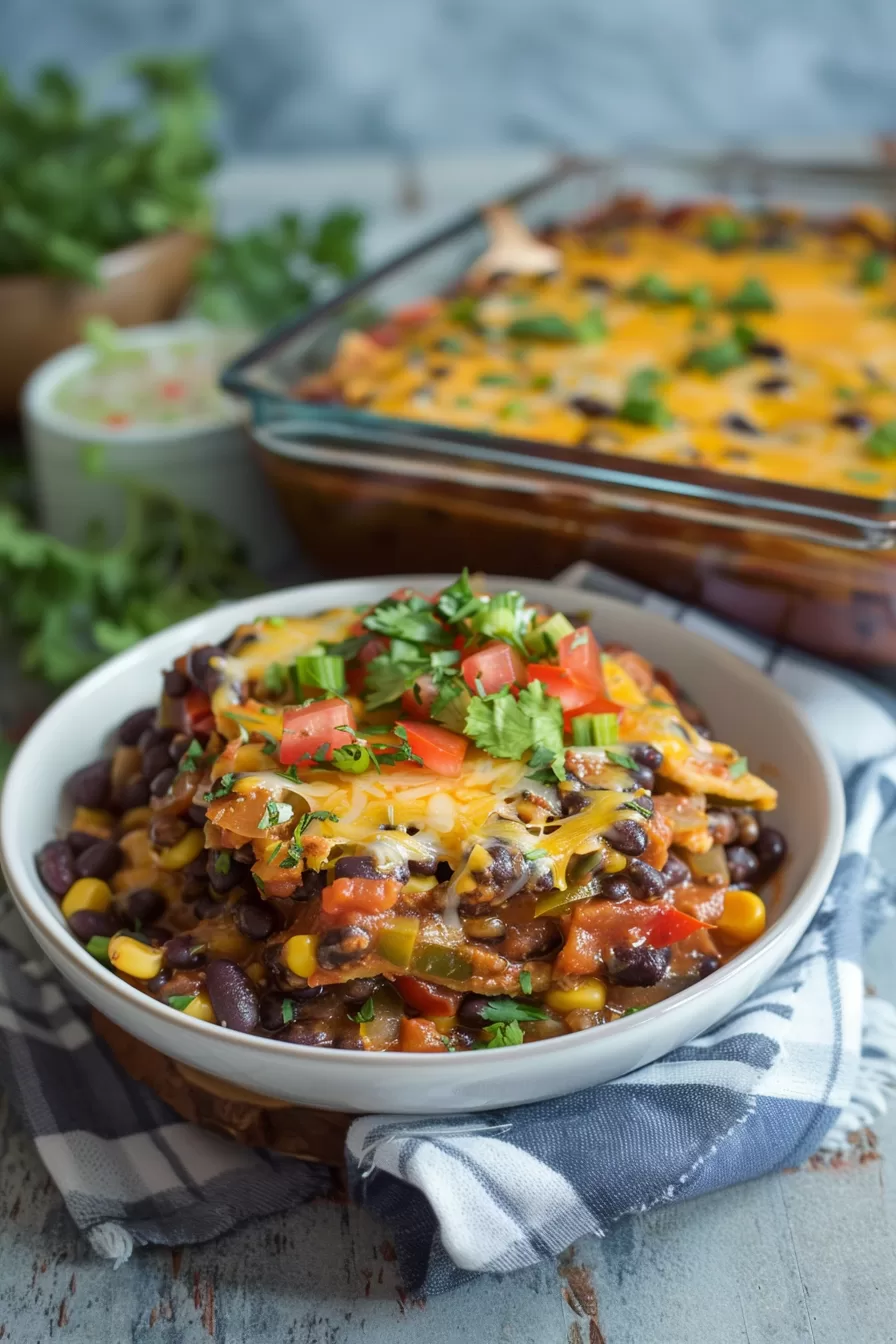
[{"x": 806, "y": 1059}]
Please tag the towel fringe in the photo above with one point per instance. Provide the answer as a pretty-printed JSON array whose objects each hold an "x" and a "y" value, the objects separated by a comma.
[
  {"x": 875, "y": 1077},
  {"x": 111, "y": 1241}
]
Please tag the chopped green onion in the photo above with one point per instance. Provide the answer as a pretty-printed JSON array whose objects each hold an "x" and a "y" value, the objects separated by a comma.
[
  {"x": 222, "y": 861},
  {"x": 738, "y": 767},
  {"x": 545, "y": 638},
  {"x": 98, "y": 947},
  {"x": 354, "y": 758},
  {"x": 595, "y": 730},
  {"x": 324, "y": 670},
  {"x": 526, "y": 982},
  {"x": 276, "y": 678},
  {"x": 287, "y": 1011}
]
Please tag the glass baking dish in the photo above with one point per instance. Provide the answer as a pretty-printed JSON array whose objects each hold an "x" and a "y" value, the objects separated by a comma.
[{"x": 368, "y": 494}]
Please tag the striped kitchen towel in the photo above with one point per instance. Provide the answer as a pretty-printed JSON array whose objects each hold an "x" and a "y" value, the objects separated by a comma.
[{"x": 808, "y": 1058}]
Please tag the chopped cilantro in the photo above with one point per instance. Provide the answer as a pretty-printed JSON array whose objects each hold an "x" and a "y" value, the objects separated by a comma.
[
  {"x": 621, "y": 758},
  {"x": 542, "y": 327},
  {"x": 526, "y": 982},
  {"x": 180, "y": 1001},
  {"x": 348, "y": 648},
  {"x": 511, "y": 410},
  {"x": 287, "y": 1011},
  {"x": 719, "y": 358},
  {"x": 458, "y": 601},
  {"x": 192, "y": 757},
  {"x": 465, "y": 310},
  {"x": 722, "y": 232},
  {"x": 222, "y": 861},
  {"x": 641, "y": 405},
  {"x": 542, "y": 382},
  {"x": 738, "y": 767},
  {"x": 276, "y": 679},
  {"x": 366, "y": 1013},
  {"x": 411, "y": 619},
  {"x": 221, "y": 788},
  {"x": 638, "y": 806},
  {"x": 872, "y": 270},
  {"x": 275, "y": 814},
  {"x": 503, "y": 1033},
  {"x": 513, "y": 1010},
  {"x": 546, "y": 766},
  {"x": 628, "y": 1012},
  {"x": 259, "y": 882},
  {"x": 498, "y": 380},
  {"x": 591, "y": 328},
  {"x": 881, "y": 443},
  {"x": 752, "y": 297},
  {"x": 507, "y": 727}
]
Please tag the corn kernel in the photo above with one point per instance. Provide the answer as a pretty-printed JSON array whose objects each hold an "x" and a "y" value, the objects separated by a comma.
[
  {"x": 201, "y": 1007},
  {"x": 300, "y": 954},
  {"x": 255, "y": 972},
  {"x": 479, "y": 859},
  {"x": 415, "y": 886},
  {"x": 590, "y": 995},
  {"x": 465, "y": 884},
  {"x": 743, "y": 916},
  {"x": 444, "y": 1024},
  {"x": 93, "y": 821},
  {"x": 188, "y": 848},
  {"x": 136, "y": 847},
  {"x": 135, "y": 818},
  {"x": 131, "y": 957},
  {"x": 88, "y": 893}
]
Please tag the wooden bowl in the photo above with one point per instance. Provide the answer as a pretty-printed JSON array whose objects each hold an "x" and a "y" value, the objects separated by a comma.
[{"x": 40, "y": 315}]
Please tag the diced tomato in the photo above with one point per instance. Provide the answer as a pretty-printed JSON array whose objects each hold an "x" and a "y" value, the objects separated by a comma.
[
  {"x": 197, "y": 712},
  {"x": 670, "y": 925},
  {"x": 440, "y": 750},
  {"x": 117, "y": 419},
  {"x": 494, "y": 666},
  {"x": 579, "y": 656},
  {"x": 355, "y": 675},
  {"x": 598, "y": 926},
  {"x": 172, "y": 389},
  {"x": 308, "y": 728},
  {"x": 386, "y": 334},
  {"x": 431, "y": 1000},
  {"x": 412, "y": 314},
  {"x": 375, "y": 645},
  {"x": 560, "y": 684},
  {"x": 420, "y": 1035},
  {"x": 363, "y": 895},
  {"x": 418, "y": 701}
]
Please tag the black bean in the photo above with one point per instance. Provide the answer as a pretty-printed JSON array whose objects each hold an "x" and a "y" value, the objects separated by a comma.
[
  {"x": 154, "y": 760},
  {"x": 162, "y": 782},
  {"x": 196, "y": 814},
  {"x": 747, "y": 826},
  {"x": 103, "y": 859},
  {"x": 594, "y": 408},
  {"x": 176, "y": 684},
  {"x": 89, "y": 787},
  {"x": 628, "y": 836},
  {"x": 707, "y": 965},
  {"x": 444, "y": 871},
  {"x": 767, "y": 350},
  {"x": 644, "y": 753},
  {"x": 145, "y": 904},
  {"x": 255, "y": 921},
  {"x": 572, "y": 801},
  {"x": 307, "y": 1033},
  {"x": 422, "y": 867},
  {"x": 200, "y": 669},
  {"x": 772, "y": 385},
  {"x": 597, "y": 284},
  {"x": 183, "y": 951},
  {"x": 157, "y": 982},
  {"x": 310, "y": 887},
  {"x": 221, "y": 881},
  {"x": 359, "y": 991},
  {"x": 647, "y": 878},
  {"x": 134, "y": 793},
  {"x": 470, "y": 1012},
  {"x": 156, "y": 737},
  {"x": 644, "y": 779},
  {"x": 209, "y": 908},
  {"x": 357, "y": 865},
  {"x": 637, "y": 966},
  {"x": 742, "y": 863},
  {"x": 270, "y": 1011},
  {"x": 722, "y": 826},
  {"x": 856, "y": 420},
  {"x": 151, "y": 934},
  {"x": 135, "y": 724},
  {"x": 232, "y": 994},
  {"x": 78, "y": 841},
  {"x": 740, "y": 424},
  {"x": 616, "y": 887},
  {"x": 306, "y": 993},
  {"x": 56, "y": 866},
  {"x": 165, "y": 830},
  {"x": 87, "y": 924},
  {"x": 177, "y": 748},
  {"x": 771, "y": 850},
  {"x": 676, "y": 871},
  {"x": 340, "y": 946}
]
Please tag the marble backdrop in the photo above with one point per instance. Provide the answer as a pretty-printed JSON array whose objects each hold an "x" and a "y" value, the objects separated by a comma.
[{"x": 412, "y": 75}]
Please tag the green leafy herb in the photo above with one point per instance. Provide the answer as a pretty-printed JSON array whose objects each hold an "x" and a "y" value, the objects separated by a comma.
[
  {"x": 722, "y": 232},
  {"x": 752, "y": 297},
  {"x": 259, "y": 882},
  {"x": 295, "y": 848},
  {"x": 592, "y": 328},
  {"x": 738, "y": 767},
  {"x": 497, "y": 380},
  {"x": 275, "y": 851},
  {"x": 844, "y": 393},
  {"x": 458, "y": 602},
  {"x": 411, "y": 619},
  {"x": 513, "y": 1010},
  {"x": 98, "y": 947},
  {"x": 546, "y": 766},
  {"x": 872, "y": 270},
  {"x": 222, "y": 861},
  {"x": 542, "y": 327},
  {"x": 503, "y": 1033},
  {"x": 221, "y": 788},
  {"x": 636, "y": 805},
  {"x": 526, "y": 982},
  {"x": 863, "y": 477},
  {"x": 192, "y": 758},
  {"x": 535, "y": 854},
  {"x": 724, "y": 355},
  {"x": 348, "y": 648},
  {"x": 542, "y": 382},
  {"x": 628, "y": 1012},
  {"x": 512, "y": 410},
  {"x": 465, "y": 311},
  {"x": 276, "y": 678},
  {"x": 881, "y": 443},
  {"x": 326, "y": 671},
  {"x": 288, "y": 1008},
  {"x": 504, "y": 616},
  {"x": 180, "y": 1001},
  {"x": 366, "y": 1013},
  {"x": 622, "y": 759},
  {"x": 508, "y": 727},
  {"x": 641, "y": 404},
  {"x": 275, "y": 814}
]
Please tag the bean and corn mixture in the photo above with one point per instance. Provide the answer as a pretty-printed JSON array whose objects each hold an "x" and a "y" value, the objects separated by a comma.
[
  {"x": 760, "y": 345},
  {"x": 443, "y": 823}
]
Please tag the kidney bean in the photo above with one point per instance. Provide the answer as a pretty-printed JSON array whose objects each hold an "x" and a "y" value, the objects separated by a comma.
[
  {"x": 651, "y": 882},
  {"x": 200, "y": 669},
  {"x": 134, "y": 793},
  {"x": 232, "y": 994},
  {"x": 771, "y": 851},
  {"x": 56, "y": 866},
  {"x": 87, "y": 924},
  {"x": 155, "y": 759},
  {"x": 103, "y": 859},
  {"x": 471, "y": 1010},
  {"x": 183, "y": 951},
  {"x": 145, "y": 904},
  {"x": 644, "y": 753},
  {"x": 747, "y": 826},
  {"x": 706, "y": 966},
  {"x": 628, "y": 836},
  {"x": 307, "y": 1033},
  {"x": 855, "y": 420},
  {"x": 742, "y": 863},
  {"x": 165, "y": 830},
  {"x": 637, "y": 966},
  {"x": 339, "y": 946},
  {"x": 357, "y": 865},
  {"x": 722, "y": 826},
  {"x": 135, "y": 724},
  {"x": 175, "y": 683},
  {"x": 78, "y": 841},
  {"x": 162, "y": 782},
  {"x": 617, "y": 887},
  {"x": 676, "y": 871},
  {"x": 255, "y": 921},
  {"x": 89, "y": 787}
]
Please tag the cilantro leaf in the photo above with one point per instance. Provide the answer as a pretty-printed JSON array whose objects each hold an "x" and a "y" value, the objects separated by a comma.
[
  {"x": 508, "y": 727},
  {"x": 276, "y": 679},
  {"x": 458, "y": 601},
  {"x": 221, "y": 788},
  {"x": 513, "y": 1010},
  {"x": 546, "y": 766},
  {"x": 881, "y": 443},
  {"x": 738, "y": 767},
  {"x": 275, "y": 814},
  {"x": 192, "y": 757},
  {"x": 752, "y": 297},
  {"x": 641, "y": 404},
  {"x": 222, "y": 861},
  {"x": 622, "y": 759},
  {"x": 526, "y": 982},
  {"x": 504, "y": 616},
  {"x": 366, "y": 1013},
  {"x": 180, "y": 1001},
  {"x": 410, "y": 618},
  {"x": 503, "y": 1033}
]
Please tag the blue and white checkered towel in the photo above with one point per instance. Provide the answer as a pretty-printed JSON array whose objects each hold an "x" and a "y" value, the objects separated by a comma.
[{"x": 807, "y": 1059}]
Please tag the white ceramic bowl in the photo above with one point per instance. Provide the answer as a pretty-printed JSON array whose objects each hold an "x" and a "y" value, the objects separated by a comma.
[
  {"x": 206, "y": 463},
  {"x": 744, "y": 707}
]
